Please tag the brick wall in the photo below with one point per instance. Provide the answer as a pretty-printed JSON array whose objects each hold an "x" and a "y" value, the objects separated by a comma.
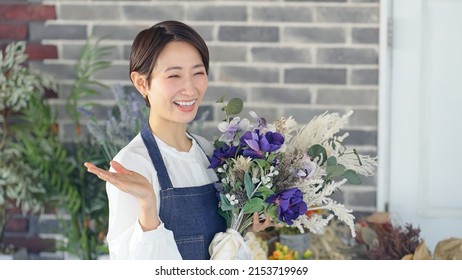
[
  {"x": 297, "y": 58},
  {"x": 15, "y": 19}
]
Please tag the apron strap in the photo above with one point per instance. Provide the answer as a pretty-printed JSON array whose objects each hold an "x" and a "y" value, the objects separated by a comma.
[
  {"x": 199, "y": 144},
  {"x": 156, "y": 157}
]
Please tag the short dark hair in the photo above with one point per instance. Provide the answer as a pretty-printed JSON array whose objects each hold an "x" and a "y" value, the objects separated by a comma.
[{"x": 150, "y": 42}]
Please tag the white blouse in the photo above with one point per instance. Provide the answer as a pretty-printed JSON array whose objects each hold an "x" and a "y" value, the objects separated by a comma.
[{"x": 126, "y": 239}]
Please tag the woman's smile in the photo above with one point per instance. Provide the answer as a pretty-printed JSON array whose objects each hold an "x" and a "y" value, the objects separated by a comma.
[{"x": 185, "y": 106}]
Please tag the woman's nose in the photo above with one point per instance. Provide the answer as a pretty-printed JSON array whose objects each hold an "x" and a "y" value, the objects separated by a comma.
[{"x": 189, "y": 87}]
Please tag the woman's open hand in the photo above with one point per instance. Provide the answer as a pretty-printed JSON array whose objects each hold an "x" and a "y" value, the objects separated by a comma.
[
  {"x": 126, "y": 180},
  {"x": 134, "y": 184}
]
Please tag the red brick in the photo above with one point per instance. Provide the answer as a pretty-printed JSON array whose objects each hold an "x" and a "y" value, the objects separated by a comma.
[
  {"x": 13, "y": 31},
  {"x": 40, "y": 52},
  {"x": 32, "y": 244},
  {"x": 18, "y": 225},
  {"x": 27, "y": 12}
]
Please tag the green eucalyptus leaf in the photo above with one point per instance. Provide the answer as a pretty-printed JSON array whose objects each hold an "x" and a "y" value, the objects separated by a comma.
[
  {"x": 318, "y": 151},
  {"x": 335, "y": 170},
  {"x": 234, "y": 106},
  {"x": 352, "y": 177},
  {"x": 331, "y": 161}
]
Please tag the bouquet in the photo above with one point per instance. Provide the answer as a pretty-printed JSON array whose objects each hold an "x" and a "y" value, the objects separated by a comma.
[{"x": 281, "y": 170}]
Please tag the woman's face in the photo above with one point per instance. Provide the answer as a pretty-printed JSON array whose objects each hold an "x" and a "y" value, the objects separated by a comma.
[{"x": 178, "y": 84}]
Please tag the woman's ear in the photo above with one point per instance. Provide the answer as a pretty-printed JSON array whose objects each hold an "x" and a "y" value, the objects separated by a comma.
[{"x": 139, "y": 81}]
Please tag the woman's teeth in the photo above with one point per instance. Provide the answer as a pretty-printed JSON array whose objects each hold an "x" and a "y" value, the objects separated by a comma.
[{"x": 185, "y": 103}]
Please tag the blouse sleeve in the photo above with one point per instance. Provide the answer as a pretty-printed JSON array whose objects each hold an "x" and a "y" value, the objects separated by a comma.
[{"x": 126, "y": 239}]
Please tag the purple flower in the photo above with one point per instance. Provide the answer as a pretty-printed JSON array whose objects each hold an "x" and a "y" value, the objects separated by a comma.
[
  {"x": 84, "y": 111},
  {"x": 290, "y": 204},
  {"x": 221, "y": 154},
  {"x": 307, "y": 169},
  {"x": 261, "y": 121},
  {"x": 230, "y": 129},
  {"x": 256, "y": 145}
]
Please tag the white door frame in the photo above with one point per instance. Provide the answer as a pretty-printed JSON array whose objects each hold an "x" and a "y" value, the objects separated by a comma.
[{"x": 385, "y": 68}]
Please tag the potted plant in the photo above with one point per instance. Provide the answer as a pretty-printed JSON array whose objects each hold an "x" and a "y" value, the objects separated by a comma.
[
  {"x": 293, "y": 238},
  {"x": 22, "y": 184}
]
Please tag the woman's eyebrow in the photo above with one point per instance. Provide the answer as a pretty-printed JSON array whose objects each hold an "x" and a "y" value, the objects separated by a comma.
[
  {"x": 173, "y": 68},
  {"x": 198, "y": 65},
  {"x": 179, "y": 67}
]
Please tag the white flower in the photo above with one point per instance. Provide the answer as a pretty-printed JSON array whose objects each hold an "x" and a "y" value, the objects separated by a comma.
[
  {"x": 229, "y": 245},
  {"x": 257, "y": 246},
  {"x": 232, "y": 199}
]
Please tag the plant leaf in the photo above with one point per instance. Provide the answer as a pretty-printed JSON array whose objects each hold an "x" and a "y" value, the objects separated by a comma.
[
  {"x": 335, "y": 170},
  {"x": 331, "y": 161},
  {"x": 318, "y": 151},
  {"x": 265, "y": 192},
  {"x": 234, "y": 106},
  {"x": 254, "y": 205},
  {"x": 225, "y": 205},
  {"x": 249, "y": 187},
  {"x": 352, "y": 177}
]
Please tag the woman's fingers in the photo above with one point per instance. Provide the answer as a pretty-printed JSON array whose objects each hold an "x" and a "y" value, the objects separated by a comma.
[
  {"x": 92, "y": 168},
  {"x": 124, "y": 179},
  {"x": 259, "y": 226},
  {"x": 101, "y": 173},
  {"x": 119, "y": 168}
]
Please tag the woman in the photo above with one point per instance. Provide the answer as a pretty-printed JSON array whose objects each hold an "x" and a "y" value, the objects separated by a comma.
[{"x": 162, "y": 198}]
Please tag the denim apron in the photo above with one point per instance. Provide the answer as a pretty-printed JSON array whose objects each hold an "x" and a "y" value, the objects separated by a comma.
[{"x": 189, "y": 212}]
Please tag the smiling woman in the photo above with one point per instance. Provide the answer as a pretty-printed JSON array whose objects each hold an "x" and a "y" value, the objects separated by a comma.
[
  {"x": 162, "y": 195},
  {"x": 164, "y": 168}
]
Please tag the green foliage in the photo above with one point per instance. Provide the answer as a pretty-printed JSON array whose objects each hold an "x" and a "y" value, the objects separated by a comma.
[
  {"x": 334, "y": 170},
  {"x": 17, "y": 82},
  {"x": 42, "y": 149},
  {"x": 90, "y": 62},
  {"x": 255, "y": 204},
  {"x": 86, "y": 227},
  {"x": 23, "y": 185},
  {"x": 232, "y": 108},
  {"x": 318, "y": 151},
  {"x": 36, "y": 167}
]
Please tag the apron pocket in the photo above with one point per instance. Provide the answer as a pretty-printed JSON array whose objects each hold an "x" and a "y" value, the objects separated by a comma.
[{"x": 191, "y": 247}]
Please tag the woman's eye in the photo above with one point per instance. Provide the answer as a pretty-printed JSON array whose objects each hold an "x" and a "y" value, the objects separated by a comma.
[
  {"x": 199, "y": 73},
  {"x": 173, "y": 76}
]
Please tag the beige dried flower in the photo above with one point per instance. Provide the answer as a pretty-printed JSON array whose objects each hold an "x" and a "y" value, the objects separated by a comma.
[{"x": 242, "y": 163}]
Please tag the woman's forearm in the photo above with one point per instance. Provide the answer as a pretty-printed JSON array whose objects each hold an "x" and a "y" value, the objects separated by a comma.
[{"x": 148, "y": 216}]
